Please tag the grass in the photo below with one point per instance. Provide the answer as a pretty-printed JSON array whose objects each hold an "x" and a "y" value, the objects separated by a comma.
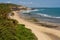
[
  {"x": 24, "y": 33},
  {"x": 10, "y": 29}
]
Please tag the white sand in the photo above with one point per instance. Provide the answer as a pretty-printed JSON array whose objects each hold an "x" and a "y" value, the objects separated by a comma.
[{"x": 37, "y": 30}]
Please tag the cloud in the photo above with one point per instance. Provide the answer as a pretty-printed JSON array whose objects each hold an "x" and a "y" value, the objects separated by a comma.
[
  {"x": 22, "y": 2},
  {"x": 8, "y": 2}
]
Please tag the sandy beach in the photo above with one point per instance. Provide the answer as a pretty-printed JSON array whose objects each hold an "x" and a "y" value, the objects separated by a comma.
[{"x": 37, "y": 30}]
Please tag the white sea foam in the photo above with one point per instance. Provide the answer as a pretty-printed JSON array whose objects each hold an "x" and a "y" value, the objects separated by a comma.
[
  {"x": 46, "y": 15},
  {"x": 35, "y": 10},
  {"x": 28, "y": 11}
]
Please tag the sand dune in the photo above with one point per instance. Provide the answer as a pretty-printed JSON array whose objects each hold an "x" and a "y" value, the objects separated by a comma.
[{"x": 37, "y": 30}]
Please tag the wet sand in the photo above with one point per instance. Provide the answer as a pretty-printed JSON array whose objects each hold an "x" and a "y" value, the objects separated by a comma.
[{"x": 40, "y": 22}]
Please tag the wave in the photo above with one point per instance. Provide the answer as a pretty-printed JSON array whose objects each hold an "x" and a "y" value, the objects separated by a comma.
[
  {"x": 35, "y": 10},
  {"x": 28, "y": 11},
  {"x": 46, "y": 15}
]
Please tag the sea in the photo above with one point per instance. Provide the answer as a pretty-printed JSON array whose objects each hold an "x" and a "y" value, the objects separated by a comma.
[{"x": 44, "y": 14}]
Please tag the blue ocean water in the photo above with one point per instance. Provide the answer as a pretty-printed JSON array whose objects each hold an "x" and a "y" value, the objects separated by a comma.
[
  {"x": 46, "y": 14},
  {"x": 52, "y": 12}
]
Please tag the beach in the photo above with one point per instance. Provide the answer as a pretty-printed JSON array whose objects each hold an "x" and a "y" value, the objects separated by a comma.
[
  {"x": 38, "y": 18},
  {"x": 37, "y": 30}
]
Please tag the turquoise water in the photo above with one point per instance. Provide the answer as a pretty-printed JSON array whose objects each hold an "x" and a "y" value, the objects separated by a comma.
[
  {"x": 53, "y": 12},
  {"x": 45, "y": 14}
]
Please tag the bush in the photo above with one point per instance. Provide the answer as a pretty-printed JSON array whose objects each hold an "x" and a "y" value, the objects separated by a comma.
[
  {"x": 10, "y": 29},
  {"x": 24, "y": 33},
  {"x": 12, "y": 14},
  {"x": 16, "y": 33}
]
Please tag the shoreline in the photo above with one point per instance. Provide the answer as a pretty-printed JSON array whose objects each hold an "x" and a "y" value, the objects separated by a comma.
[
  {"x": 41, "y": 17},
  {"x": 40, "y": 35},
  {"x": 42, "y": 23},
  {"x": 37, "y": 30}
]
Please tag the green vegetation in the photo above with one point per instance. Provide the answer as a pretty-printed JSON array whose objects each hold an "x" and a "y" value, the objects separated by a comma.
[
  {"x": 10, "y": 29},
  {"x": 25, "y": 34},
  {"x": 4, "y": 10}
]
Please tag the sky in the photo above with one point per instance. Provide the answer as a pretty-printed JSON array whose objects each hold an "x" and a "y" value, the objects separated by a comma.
[{"x": 34, "y": 3}]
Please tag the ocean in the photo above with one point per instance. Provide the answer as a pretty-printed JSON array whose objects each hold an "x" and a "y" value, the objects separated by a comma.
[{"x": 44, "y": 14}]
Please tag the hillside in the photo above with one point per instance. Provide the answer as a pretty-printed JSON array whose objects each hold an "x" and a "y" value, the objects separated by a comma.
[{"x": 9, "y": 28}]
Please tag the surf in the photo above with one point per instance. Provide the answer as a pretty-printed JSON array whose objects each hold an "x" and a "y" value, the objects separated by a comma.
[{"x": 46, "y": 15}]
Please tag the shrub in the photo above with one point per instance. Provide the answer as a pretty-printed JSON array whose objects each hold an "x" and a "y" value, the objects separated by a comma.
[
  {"x": 24, "y": 33},
  {"x": 10, "y": 29}
]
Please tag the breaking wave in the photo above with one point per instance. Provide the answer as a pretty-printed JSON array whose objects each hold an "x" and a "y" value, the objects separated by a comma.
[
  {"x": 28, "y": 11},
  {"x": 46, "y": 15}
]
